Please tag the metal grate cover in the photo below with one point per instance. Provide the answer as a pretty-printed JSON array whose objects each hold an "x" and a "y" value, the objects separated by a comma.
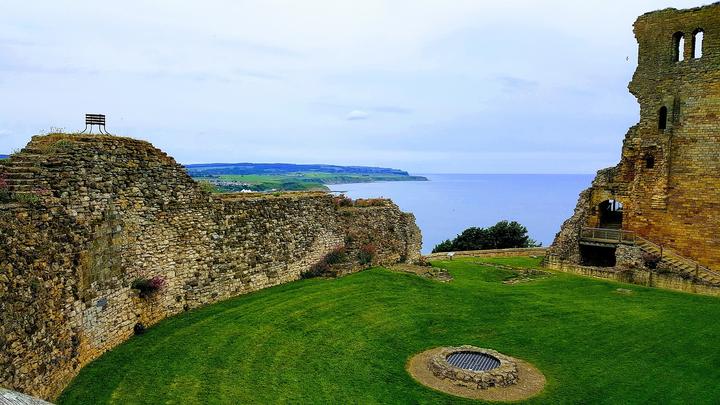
[{"x": 473, "y": 361}]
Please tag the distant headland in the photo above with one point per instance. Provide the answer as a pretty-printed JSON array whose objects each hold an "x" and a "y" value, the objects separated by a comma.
[{"x": 228, "y": 177}]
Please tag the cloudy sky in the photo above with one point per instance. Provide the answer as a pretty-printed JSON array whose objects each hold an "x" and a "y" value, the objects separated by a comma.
[{"x": 436, "y": 86}]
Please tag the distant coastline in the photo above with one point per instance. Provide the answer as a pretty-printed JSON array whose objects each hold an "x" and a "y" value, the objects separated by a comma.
[{"x": 269, "y": 177}]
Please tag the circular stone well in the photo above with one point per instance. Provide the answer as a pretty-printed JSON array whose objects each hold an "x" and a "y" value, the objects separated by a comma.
[
  {"x": 474, "y": 361},
  {"x": 476, "y": 373},
  {"x": 474, "y": 367}
]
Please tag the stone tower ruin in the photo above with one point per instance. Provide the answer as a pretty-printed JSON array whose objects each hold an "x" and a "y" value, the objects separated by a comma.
[{"x": 663, "y": 198}]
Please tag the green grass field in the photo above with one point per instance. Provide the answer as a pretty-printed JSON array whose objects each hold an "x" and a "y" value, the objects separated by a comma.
[{"x": 347, "y": 341}]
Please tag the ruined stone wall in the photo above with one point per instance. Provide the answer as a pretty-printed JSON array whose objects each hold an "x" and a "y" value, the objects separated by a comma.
[
  {"x": 667, "y": 179},
  {"x": 639, "y": 276},
  {"x": 94, "y": 213}
]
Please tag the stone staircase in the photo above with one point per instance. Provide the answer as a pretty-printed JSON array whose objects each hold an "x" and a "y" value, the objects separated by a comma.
[
  {"x": 668, "y": 258},
  {"x": 21, "y": 171},
  {"x": 678, "y": 263}
]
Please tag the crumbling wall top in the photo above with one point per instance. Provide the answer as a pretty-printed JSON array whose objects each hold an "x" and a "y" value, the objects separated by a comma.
[{"x": 677, "y": 43}]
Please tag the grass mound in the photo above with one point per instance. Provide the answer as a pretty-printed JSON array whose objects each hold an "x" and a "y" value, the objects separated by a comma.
[{"x": 348, "y": 340}]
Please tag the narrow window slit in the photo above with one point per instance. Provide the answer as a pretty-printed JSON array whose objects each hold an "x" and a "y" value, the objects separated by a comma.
[{"x": 662, "y": 118}]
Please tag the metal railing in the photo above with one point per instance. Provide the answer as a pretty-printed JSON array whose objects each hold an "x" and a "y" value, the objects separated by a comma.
[
  {"x": 619, "y": 236},
  {"x": 608, "y": 235},
  {"x": 665, "y": 253}
]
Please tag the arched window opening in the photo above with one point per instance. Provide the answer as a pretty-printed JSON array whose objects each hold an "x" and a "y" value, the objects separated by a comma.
[
  {"x": 662, "y": 118},
  {"x": 611, "y": 214},
  {"x": 649, "y": 161},
  {"x": 679, "y": 46},
  {"x": 697, "y": 43}
]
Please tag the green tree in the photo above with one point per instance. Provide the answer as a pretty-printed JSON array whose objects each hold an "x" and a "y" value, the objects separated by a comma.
[
  {"x": 503, "y": 235},
  {"x": 444, "y": 246},
  {"x": 473, "y": 239}
]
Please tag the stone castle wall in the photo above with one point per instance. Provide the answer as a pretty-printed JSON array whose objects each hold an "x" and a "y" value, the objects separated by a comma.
[
  {"x": 104, "y": 211},
  {"x": 667, "y": 179}
]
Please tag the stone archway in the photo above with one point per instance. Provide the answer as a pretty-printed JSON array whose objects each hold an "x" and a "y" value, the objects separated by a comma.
[{"x": 610, "y": 214}]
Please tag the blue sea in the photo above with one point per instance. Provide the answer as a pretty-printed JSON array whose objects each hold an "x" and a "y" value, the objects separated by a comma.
[{"x": 449, "y": 203}]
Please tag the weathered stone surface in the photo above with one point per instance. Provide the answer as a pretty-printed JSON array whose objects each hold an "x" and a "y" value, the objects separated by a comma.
[
  {"x": 667, "y": 179},
  {"x": 110, "y": 210},
  {"x": 629, "y": 257}
]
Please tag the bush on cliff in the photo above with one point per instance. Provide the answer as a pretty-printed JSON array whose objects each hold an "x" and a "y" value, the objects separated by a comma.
[
  {"x": 366, "y": 254},
  {"x": 343, "y": 201},
  {"x": 503, "y": 235},
  {"x": 323, "y": 266},
  {"x": 371, "y": 202},
  {"x": 148, "y": 286},
  {"x": 337, "y": 255},
  {"x": 319, "y": 269}
]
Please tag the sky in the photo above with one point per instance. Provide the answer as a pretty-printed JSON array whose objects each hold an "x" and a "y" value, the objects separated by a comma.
[{"x": 428, "y": 86}]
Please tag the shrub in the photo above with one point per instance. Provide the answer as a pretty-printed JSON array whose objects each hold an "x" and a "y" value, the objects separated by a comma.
[
  {"x": 55, "y": 130},
  {"x": 61, "y": 145},
  {"x": 337, "y": 255},
  {"x": 366, "y": 254},
  {"x": 148, "y": 287},
  {"x": 370, "y": 202},
  {"x": 316, "y": 270},
  {"x": 650, "y": 260},
  {"x": 139, "y": 328},
  {"x": 343, "y": 201},
  {"x": 26, "y": 198}
]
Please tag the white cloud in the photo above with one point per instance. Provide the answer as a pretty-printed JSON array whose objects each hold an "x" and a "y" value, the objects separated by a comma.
[
  {"x": 357, "y": 115},
  {"x": 280, "y": 72}
]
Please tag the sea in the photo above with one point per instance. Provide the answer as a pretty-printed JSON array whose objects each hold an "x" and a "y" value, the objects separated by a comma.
[{"x": 449, "y": 203}]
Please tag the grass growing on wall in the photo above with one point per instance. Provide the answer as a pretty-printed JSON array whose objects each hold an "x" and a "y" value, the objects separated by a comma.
[{"x": 347, "y": 341}]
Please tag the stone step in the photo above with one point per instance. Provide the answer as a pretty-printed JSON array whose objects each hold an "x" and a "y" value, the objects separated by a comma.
[
  {"x": 28, "y": 158},
  {"x": 679, "y": 264},
  {"x": 20, "y": 175},
  {"x": 32, "y": 149},
  {"x": 21, "y": 189},
  {"x": 16, "y": 166},
  {"x": 15, "y": 181},
  {"x": 647, "y": 246}
]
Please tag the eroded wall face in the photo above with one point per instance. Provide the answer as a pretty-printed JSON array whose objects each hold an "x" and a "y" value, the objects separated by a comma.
[
  {"x": 115, "y": 209},
  {"x": 668, "y": 179}
]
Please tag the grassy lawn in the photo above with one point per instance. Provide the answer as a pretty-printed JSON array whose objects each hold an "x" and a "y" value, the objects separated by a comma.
[{"x": 347, "y": 341}]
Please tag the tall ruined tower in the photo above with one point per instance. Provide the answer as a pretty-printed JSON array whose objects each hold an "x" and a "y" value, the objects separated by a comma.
[{"x": 666, "y": 189}]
